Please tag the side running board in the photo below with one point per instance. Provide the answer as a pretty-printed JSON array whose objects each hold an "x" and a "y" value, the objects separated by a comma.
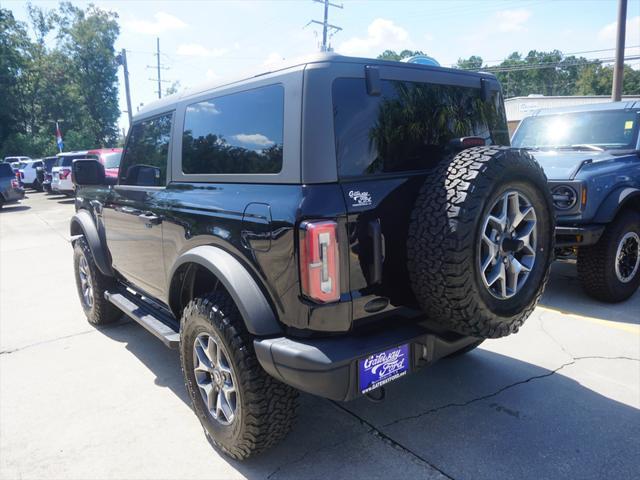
[{"x": 145, "y": 316}]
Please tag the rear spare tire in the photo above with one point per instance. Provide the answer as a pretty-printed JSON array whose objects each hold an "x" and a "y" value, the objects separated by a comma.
[{"x": 481, "y": 241}]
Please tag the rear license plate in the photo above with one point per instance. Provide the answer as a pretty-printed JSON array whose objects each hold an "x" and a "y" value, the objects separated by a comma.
[{"x": 381, "y": 368}]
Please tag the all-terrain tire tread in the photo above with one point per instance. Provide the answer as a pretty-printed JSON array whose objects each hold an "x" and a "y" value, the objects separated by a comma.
[{"x": 270, "y": 407}]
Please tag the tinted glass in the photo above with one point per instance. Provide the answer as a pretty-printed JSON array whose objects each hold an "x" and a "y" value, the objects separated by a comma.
[
  {"x": 410, "y": 126},
  {"x": 145, "y": 160},
  {"x": 604, "y": 129},
  {"x": 49, "y": 163},
  {"x": 239, "y": 133},
  {"x": 6, "y": 170},
  {"x": 67, "y": 160},
  {"x": 36, "y": 164}
]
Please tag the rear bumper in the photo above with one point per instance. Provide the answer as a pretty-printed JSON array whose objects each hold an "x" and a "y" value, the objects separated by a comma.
[
  {"x": 578, "y": 236},
  {"x": 13, "y": 195},
  {"x": 328, "y": 367}
]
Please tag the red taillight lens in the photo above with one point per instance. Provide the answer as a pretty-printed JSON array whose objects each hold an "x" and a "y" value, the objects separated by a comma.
[
  {"x": 14, "y": 184},
  {"x": 319, "y": 261},
  {"x": 64, "y": 173}
]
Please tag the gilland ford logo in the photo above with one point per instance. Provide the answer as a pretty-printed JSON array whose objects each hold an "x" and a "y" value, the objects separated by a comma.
[
  {"x": 360, "y": 199},
  {"x": 384, "y": 367}
]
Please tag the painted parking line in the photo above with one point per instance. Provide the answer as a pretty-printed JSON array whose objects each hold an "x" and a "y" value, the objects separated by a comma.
[{"x": 625, "y": 327}]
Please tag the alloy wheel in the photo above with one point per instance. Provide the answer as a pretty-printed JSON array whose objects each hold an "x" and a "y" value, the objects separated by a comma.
[
  {"x": 507, "y": 247},
  {"x": 215, "y": 378},
  {"x": 627, "y": 257}
]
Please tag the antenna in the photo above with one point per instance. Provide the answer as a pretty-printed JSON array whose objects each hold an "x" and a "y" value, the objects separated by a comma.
[{"x": 326, "y": 26}]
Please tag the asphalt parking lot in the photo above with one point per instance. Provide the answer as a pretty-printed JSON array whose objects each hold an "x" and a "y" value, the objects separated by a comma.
[{"x": 559, "y": 400}]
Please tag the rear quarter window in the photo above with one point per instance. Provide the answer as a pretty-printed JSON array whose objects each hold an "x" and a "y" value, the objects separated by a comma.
[
  {"x": 409, "y": 126},
  {"x": 235, "y": 134}
]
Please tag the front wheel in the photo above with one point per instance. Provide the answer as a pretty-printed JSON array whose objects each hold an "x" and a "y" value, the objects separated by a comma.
[
  {"x": 610, "y": 269},
  {"x": 242, "y": 409}
]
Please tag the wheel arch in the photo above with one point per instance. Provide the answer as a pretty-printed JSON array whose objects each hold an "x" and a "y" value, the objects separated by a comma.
[
  {"x": 209, "y": 264},
  {"x": 82, "y": 224},
  {"x": 620, "y": 199}
]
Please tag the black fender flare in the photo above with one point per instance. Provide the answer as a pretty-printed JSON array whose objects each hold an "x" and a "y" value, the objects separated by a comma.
[
  {"x": 614, "y": 202},
  {"x": 256, "y": 311},
  {"x": 84, "y": 221}
]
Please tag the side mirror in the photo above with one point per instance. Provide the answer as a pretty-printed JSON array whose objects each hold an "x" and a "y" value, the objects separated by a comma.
[{"x": 87, "y": 171}]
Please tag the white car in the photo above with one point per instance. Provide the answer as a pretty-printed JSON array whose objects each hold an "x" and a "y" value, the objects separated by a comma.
[
  {"x": 61, "y": 172},
  {"x": 28, "y": 175}
]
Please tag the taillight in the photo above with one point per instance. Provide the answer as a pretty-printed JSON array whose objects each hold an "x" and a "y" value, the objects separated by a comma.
[
  {"x": 14, "y": 184},
  {"x": 64, "y": 173},
  {"x": 319, "y": 261}
]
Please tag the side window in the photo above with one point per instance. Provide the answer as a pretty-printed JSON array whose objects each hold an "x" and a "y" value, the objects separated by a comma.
[
  {"x": 145, "y": 159},
  {"x": 237, "y": 133}
]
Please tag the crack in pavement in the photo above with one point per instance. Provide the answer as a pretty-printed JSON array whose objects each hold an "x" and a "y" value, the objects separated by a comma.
[
  {"x": 552, "y": 338},
  {"x": 53, "y": 340},
  {"x": 507, "y": 387},
  {"x": 390, "y": 441}
]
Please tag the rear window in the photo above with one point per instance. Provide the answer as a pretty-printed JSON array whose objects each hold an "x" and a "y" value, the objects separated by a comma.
[
  {"x": 237, "y": 133},
  {"x": 409, "y": 126},
  {"x": 67, "y": 160},
  {"x": 112, "y": 160},
  {"x": 6, "y": 170}
]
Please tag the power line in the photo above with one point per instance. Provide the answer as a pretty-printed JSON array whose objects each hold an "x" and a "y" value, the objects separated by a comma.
[
  {"x": 542, "y": 65},
  {"x": 327, "y": 28},
  {"x": 158, "y": 67}
]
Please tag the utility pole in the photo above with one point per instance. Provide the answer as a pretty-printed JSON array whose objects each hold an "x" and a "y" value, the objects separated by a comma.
[
  {"x": 618, "y": 69},
  {"x": 326, "y": 26},
  {"x": 123, "y": 61},
  {"x": 158, "y": 67}
]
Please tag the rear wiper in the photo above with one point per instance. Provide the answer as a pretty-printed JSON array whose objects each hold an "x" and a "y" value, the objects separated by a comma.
[{"x": 581, "y": 146}]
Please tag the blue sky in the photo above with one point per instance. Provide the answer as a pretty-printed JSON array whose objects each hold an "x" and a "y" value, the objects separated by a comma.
[{"x": 215, "y": 40}]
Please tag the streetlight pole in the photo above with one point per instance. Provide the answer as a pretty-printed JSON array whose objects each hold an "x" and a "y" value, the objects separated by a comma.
[{"x": 618, "y": 69}]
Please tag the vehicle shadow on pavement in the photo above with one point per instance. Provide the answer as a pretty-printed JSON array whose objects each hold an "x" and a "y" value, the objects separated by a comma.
[
  {"x": 564, "y": 294},
  {"x": 14, "y": 208},
  {"x": 480, "y": 416}
]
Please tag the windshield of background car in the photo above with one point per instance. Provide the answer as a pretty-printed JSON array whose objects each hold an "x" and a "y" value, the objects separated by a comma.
[
  {"x": 112, "y": 160},
  {"x": 410, "y": 126},
  {"x": 608, "y": 129},
  {"x": 6, "y": 170}
]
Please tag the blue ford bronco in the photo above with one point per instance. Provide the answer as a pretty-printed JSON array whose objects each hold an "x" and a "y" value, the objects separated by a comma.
[
  {"x": 591, "y": 155},
  {"x": 327, "y": 227}
]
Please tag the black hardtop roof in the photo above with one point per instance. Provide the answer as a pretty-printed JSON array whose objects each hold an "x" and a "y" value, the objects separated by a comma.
[{"x": 162, "y": 104}]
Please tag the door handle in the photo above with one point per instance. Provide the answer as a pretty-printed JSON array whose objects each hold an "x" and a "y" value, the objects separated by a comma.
[{"x": 150, "y": 219}]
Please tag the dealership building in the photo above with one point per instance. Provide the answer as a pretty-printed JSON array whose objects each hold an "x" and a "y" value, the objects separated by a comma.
[{"x": 519, "y": 107}]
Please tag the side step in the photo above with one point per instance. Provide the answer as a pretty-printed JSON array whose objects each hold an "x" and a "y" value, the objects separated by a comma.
[{"x": 145, "y": 317}]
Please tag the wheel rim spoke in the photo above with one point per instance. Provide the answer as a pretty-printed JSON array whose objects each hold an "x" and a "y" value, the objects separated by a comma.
[
  {"x": 627, "y": 257},
  {"x": 507, "y": 249},
  {"x": 215, "y": 378}
]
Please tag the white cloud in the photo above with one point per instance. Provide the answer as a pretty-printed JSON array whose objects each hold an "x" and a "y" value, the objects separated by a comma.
[
  {"x": 608, "y": 32},
  {"x": 211, "y": 75},
  {"x": 382, "y": 34},
  {"x": 273, "y": 59},
  {"x": 163, "y": 22},
  {"x": 197, "y": 50},
  {"x": 512, "y": 20},
  {"x": 254, "y": 139}
]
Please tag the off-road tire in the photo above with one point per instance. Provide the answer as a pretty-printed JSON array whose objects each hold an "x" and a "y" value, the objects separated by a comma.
[
  {"x": 266, "y": 408},
  {"x": 596, "y": 263},
  {"x": 445, "y": 230},
  {"x": 102, "y": 312}
]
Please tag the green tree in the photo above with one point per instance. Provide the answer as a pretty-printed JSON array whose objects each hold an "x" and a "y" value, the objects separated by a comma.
[
  {"x": 474, "y": 62},
  {"x": 392, "y": 55}
]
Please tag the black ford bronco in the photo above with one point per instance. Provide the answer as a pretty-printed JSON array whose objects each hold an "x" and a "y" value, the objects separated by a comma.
[{"x": 328, "y": 227}]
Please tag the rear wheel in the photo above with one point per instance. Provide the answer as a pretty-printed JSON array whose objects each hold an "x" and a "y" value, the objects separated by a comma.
[
  {"x": 92, "y": 285},
  {"x": 481, "y": 241},
  {"x": 610, "y": 269},
  {"x": 242, "y": 409}
]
